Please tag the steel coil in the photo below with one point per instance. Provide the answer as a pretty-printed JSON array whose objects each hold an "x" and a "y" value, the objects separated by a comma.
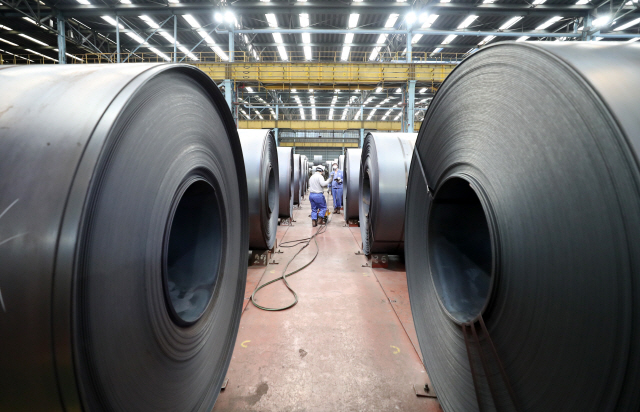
[
  {"x": 303, "y": 175},
  {"x": 384, "y": 168},
  {"x": 341, "y": 162},
  {"x": 261, "y": 165},
  {"x": 123, "y": 237},
  {"x": 285, "y": 166},
  {"x": 296, "y": 179},
  {"x": 351, "y": 184},
  {"x": 317, "y": 159},
  {"x": 522, "y": 251}
]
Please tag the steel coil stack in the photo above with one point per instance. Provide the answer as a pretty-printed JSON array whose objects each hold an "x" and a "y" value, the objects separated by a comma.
[
  {"x": 297, "y": 174},
  {"x": 123, "y": 237},
  {"x": 351, "y": 184},
  {"x": 261, "y": 165},
  {"x": 384, "y": 168},
  {"x": 285, "y": 170},
  {"x": 523, "y": 220}
]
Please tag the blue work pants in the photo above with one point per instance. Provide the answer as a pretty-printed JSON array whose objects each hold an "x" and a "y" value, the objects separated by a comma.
[
  {"x": 337, "y": 196},
  {"x": 317, "y": 202}
]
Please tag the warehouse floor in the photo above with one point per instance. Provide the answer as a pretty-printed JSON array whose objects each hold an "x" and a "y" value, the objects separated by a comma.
[{"x": 348, "y": 345}]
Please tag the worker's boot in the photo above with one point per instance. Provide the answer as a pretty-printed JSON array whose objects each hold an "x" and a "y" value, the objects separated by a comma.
[
  {"x": 314, "y": 223},
  {"x": 324, "y": 220}
]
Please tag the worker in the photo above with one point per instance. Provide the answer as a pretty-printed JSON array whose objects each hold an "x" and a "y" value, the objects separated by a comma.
[
  {"x": 316, "y": 196},
  {"x": 336, "y": 188}
]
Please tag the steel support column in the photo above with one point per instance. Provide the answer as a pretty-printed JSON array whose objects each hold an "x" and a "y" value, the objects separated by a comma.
[
  {"x": 118, "y": 38},
  {"x": 277, "y": 118},
  {"x": 409, "y": 36},
  {"x": 62, "y": 42},
  {"x": 231, "y": 46},
  {"x": 411, "y": 104},
  {"x": 175, "y": 38},
  {"x": 228, "y": 93},
  {"x": 362, "y": 126}
]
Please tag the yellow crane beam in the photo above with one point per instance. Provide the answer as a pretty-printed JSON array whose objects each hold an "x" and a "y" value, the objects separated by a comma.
[
  {"x": 323, "y": 125},
  {"x": 336, "y": 73}
]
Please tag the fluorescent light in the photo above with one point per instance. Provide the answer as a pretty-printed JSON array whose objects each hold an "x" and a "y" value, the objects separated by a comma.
[
  {"x": 219, "y": 17},
  {"x": 304, "y": 20},
  {"x": 601, "y": 21},
  {"x": 379, "y": 89},
  {"x": 548, "y": 23},
  {"x": 307, "y": 52},
  {"x": 125, "y": 1},
  {"x": 391, "y": 21},
  {"x": 449, "y": 38},
  {"x": 9, "y": 42},
  {"x": 486, "y": 40},
  {"x": 187, "y": 52},
  {"x": 633, "y": 40},
  {"x": 5, "y": 27},
  {"x": 283, "y": 53},
  {"x": 489, "y": 1},
  {"x": 436, "y": 51},
  {"x": 382, "y": 38},
  {"x": 83, "y": 2},
  {"x": 627, "y": 25},
  {"x": 428, "y": 19},
  {"x": 523, "y": 38},
  {"x": 220, "y": 53},
  {"x": 174, "y": 1},
  {"x": 32, "y": 39},
  {"x": 467, "y": 22},
  {"x": 293, "y": 91},
  {"x": 277, "y": 37},
  {"x": 135, "y": 37},
  {"x": 40, "y": 54},
  {"x": 306, "y": 38},
  {"x": 159, "y": 53},
  {"x": 374, "y": 53},
  {"x": 249, "y": 89},
  {"x": 582, "y": 2},
  {"x": 416, "y": 38},
  {"x": 192, "y": 21},
  {"x": 411, "y": 18},
  {"x": 150, "y": 22},
  {"x": 206, "y": 37},
  {"x": 112, "y": 21},
  {"x": 345, "y": 53},
  {"x": 348, "y": 38},
  {"x": 536, "y": 2},
  {"x": 167, "y": 37},
  {"x": 510, "y": 22},
  {"x": 353, "y": 20},
  {"x": 424, "y": 89},
  {"x": 271, "y": 19}
]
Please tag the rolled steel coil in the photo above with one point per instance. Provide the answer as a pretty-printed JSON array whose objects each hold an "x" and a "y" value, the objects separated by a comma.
[
  {"x": 317, "y": 159},
  {"x": 341, "y": 162},
  {"x": 303, "y": 175},
  {"x": 297, "y": 164},
  {"x": 351, "y": 184},
  {"x": 523, "y": 220},
  {"x": 384, "y": 169},
  {"x": 285, "y": 166},
  {"x": 123, "y": 238},
  {"x": 261, "y": 165}
]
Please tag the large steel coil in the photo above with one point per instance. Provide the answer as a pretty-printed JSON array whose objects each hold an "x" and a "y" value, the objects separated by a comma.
[
  {"x": 523, "y": 220},
  {"x": 285, "y": 165},
  {"x": 351, "y": 184},
  {"x": 341, "y": 162},
  {"x": 123, "y": 237},
  {"x": 297, "y": 164},
  {"x": 384, "y": 168},
  {"x": 261, "y": 165},
  {"x": 303, "y": 175},
  {"x": 317, "y": 159}
]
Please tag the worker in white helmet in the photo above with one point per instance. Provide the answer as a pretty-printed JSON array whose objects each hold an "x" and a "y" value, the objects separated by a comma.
[{"x": 316, "y": 196}]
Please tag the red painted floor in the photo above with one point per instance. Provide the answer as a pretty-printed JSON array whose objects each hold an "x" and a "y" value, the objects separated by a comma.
[{"x": 348, "y": 345}]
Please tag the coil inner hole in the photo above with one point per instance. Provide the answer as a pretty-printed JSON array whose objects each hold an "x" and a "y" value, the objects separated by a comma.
[
  {"x": 460, "y": 251},
  {"x": 272, "y": 195},
  {"x": 194, "y": 250}
]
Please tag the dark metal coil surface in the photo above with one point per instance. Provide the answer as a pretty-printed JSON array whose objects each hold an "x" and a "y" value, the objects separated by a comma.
[
  {"x": 285, "y": 164},
  {"x": 261, "y": 165},
  {"x": 123, "y": 237},
  {"x": 526, "y": 237},
  {"x": 351, "y": 184},
  {"x": 384, "y": 169},
  {"x": 296, "y": 179},
  {"x": 341, "y": 162}
]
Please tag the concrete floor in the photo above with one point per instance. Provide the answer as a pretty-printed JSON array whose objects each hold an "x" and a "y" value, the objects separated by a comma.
[{"x": 348, "y": 345}]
